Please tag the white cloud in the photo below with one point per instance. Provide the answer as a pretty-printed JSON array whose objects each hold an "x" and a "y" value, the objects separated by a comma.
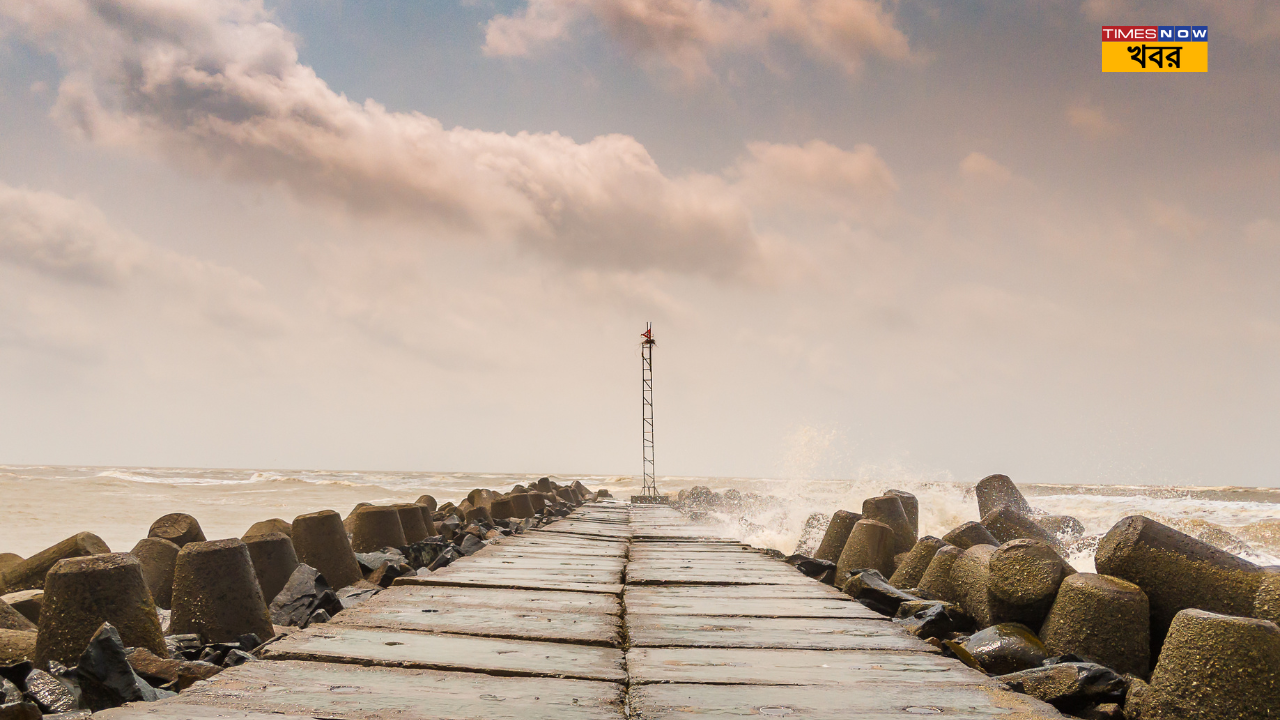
[
  {"x": 216, "y": 85},
  {"x": 979, "y": 168},
  {"x": 817, "y": 176},
  {"x": 688, "y": 34},
  {"x": 1091, "y": 120},
  {"x": 1255, "y": 21}
]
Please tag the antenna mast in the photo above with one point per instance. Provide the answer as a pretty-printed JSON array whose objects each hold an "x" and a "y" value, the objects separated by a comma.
[{"x": 649, "y": 495}]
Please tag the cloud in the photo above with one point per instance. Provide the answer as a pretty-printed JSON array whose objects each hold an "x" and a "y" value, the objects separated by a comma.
[
  {"x": 817, "y": 176},
  {"x": 216, "y": 86},
  {"x": 1091, "y": 120},
  {"x": 70, "y": 243},
  {"x": 688, "y": 34},
  {"x": 980, "y": 169}
]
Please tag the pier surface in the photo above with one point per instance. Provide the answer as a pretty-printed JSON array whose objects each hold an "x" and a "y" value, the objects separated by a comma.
[{"x": 617, "y": 611}]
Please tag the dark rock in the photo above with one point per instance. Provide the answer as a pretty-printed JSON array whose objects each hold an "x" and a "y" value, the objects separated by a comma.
[
  {"x": 182, "y": 645},
  {"x": 237, "y": 657},
  {"x": 22, "y": 710},
  {"x": 386, "y": 573},
  {"x": 995, "y": 491},
  {"x": 1213, "y": 666},
  {"x": 1006, "y": 648},
  {"x": 912, "y": 565},
  {"x": 933, "y": 619},
  {"x": 471, "y": 545},
  {"x": 158, "y": 557},
  {"x": 820, "y": 570},
  {"x": 447, "y": 556},
  {"x": 304, "y": 594},
  {"x": 1006, "y": 523},
  {"x": 30, "y": 573},
  {"x": 1102, "y": 711},
  {"x": 50, "y": 693},
  {"x": 1177, "y": 572},
  {"x": 178, "y": 528},
  {"x": 216, "y": 593},
  {"x": 1071, "y": 686},
  {"x": 371, "y": 561},
  {"x": 106, "y": 678},
  {"x": 1102, "y": 618},
  {"x": 83, "y": 593},
  {"x": 450, "y": 527},
  {"x": 26, "y": 602},
  {"x": 968, "y": 534},
  {"x": 936, "y": 581},
  {"x": 174, "y": 674},
  {"x": 871, "y": 589},
  {"x": 422, "y": 553},
  {"x": 320, "y": 540},
  {"x": 811, "y": 534}
]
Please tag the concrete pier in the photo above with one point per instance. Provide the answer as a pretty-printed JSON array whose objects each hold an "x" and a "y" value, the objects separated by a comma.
[{"x": 614, "y": 612}]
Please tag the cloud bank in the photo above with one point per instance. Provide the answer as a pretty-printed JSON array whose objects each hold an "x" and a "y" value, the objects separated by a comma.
[
  {"x": 216, "y": 86},
  {"x": 689, "y": 34}
]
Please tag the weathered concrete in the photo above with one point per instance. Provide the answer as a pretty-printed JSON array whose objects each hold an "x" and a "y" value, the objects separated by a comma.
[{"x": 529, "y": 628}]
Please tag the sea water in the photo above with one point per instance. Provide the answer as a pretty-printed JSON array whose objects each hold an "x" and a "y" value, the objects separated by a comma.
[{"x": 40, "y": 505}]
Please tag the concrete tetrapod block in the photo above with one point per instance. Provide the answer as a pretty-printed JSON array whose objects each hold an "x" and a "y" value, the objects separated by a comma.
[
  {"x": 26, "y": 603},
  {"x": 502, "y": 509},
  {"x": 911, "y": 506},
  {"x": 429, "y": 501},
  {"x": 1177, "y": 572},
  {"x": 912, "y": 566},
  {"x": 266, "y": 527},
  {"x": 216, "y": 593},
  {"x": 29, "y": 574},
  {"x": 968, "y": 534},
  {"x": 428, "y": 523},
  {"x": 17, "y": 646},
  {"x": 936, "y": 581},
  {"x": 538, "y": 501},
  {"x": 11, "y": 619},
  {"x": 411, "y": 522},
  {"x": 1023, "y": 580},
  {"x": 376, "y": 527},
  {"x": 82, "y": 593},
  {"x": 522, "y": 506},
  {"x": 478, "y": 515},
  {"x": 8, "y": 560},
  {"x": 870, "y": 545},
  {"x": 1212, "y": 667},
  {"x": 1102, "y": 618},
  {"x": 888, "y": 510},
  {"x": 274, "y": 560},
  {"x": 1005, "y": 524},
  {"x": 320, "y": 540},
  {"x": 969, "y": 578},
  {"x": 837, "y": 535},
  {"x": 995, "y": 491},
  {"x": 177, "y": 528},
  {"x": 158, "y": 557},
  {"x": 1266, "y": 604}
]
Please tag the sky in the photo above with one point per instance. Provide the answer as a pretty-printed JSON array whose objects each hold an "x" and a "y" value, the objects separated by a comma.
[{"x": 873, "y": 237}]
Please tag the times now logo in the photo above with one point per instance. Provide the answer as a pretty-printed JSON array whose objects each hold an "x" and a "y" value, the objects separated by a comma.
[{"x": 1163, "y": 33}]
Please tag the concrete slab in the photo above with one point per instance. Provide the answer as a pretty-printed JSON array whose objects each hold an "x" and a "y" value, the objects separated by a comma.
[
  {"x": 746, "y": 632},
  {"x": 747, "y": 607},
  {"x": 672, "y": 575},
  {"x": 481, "y": 567},
  {"x": 361, "y": 646},
  {"x": 530, "y": 581},
  {"x": 794, "y": 667},
  {"x": 869, "y": 701},
  {"x": 516, "y": 618},
  {"x": 814, "y": 590},
  {"x": 544, "y": 562},
  {"x": 598, "y": 603},
  {"x": 257, "y": 691}
]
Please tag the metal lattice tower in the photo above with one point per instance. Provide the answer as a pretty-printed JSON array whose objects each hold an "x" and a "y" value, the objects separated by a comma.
[{"x": 646, "y": 377}]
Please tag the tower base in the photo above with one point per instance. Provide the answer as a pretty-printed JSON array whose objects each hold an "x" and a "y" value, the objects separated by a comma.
[{"x": 650, "y": 500}]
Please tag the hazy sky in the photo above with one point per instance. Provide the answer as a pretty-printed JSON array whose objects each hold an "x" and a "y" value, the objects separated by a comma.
[{"x": 905, "y": 238}]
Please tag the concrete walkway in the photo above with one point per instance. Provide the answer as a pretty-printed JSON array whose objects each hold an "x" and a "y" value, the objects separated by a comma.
[{"x": 614, "y": 612}]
